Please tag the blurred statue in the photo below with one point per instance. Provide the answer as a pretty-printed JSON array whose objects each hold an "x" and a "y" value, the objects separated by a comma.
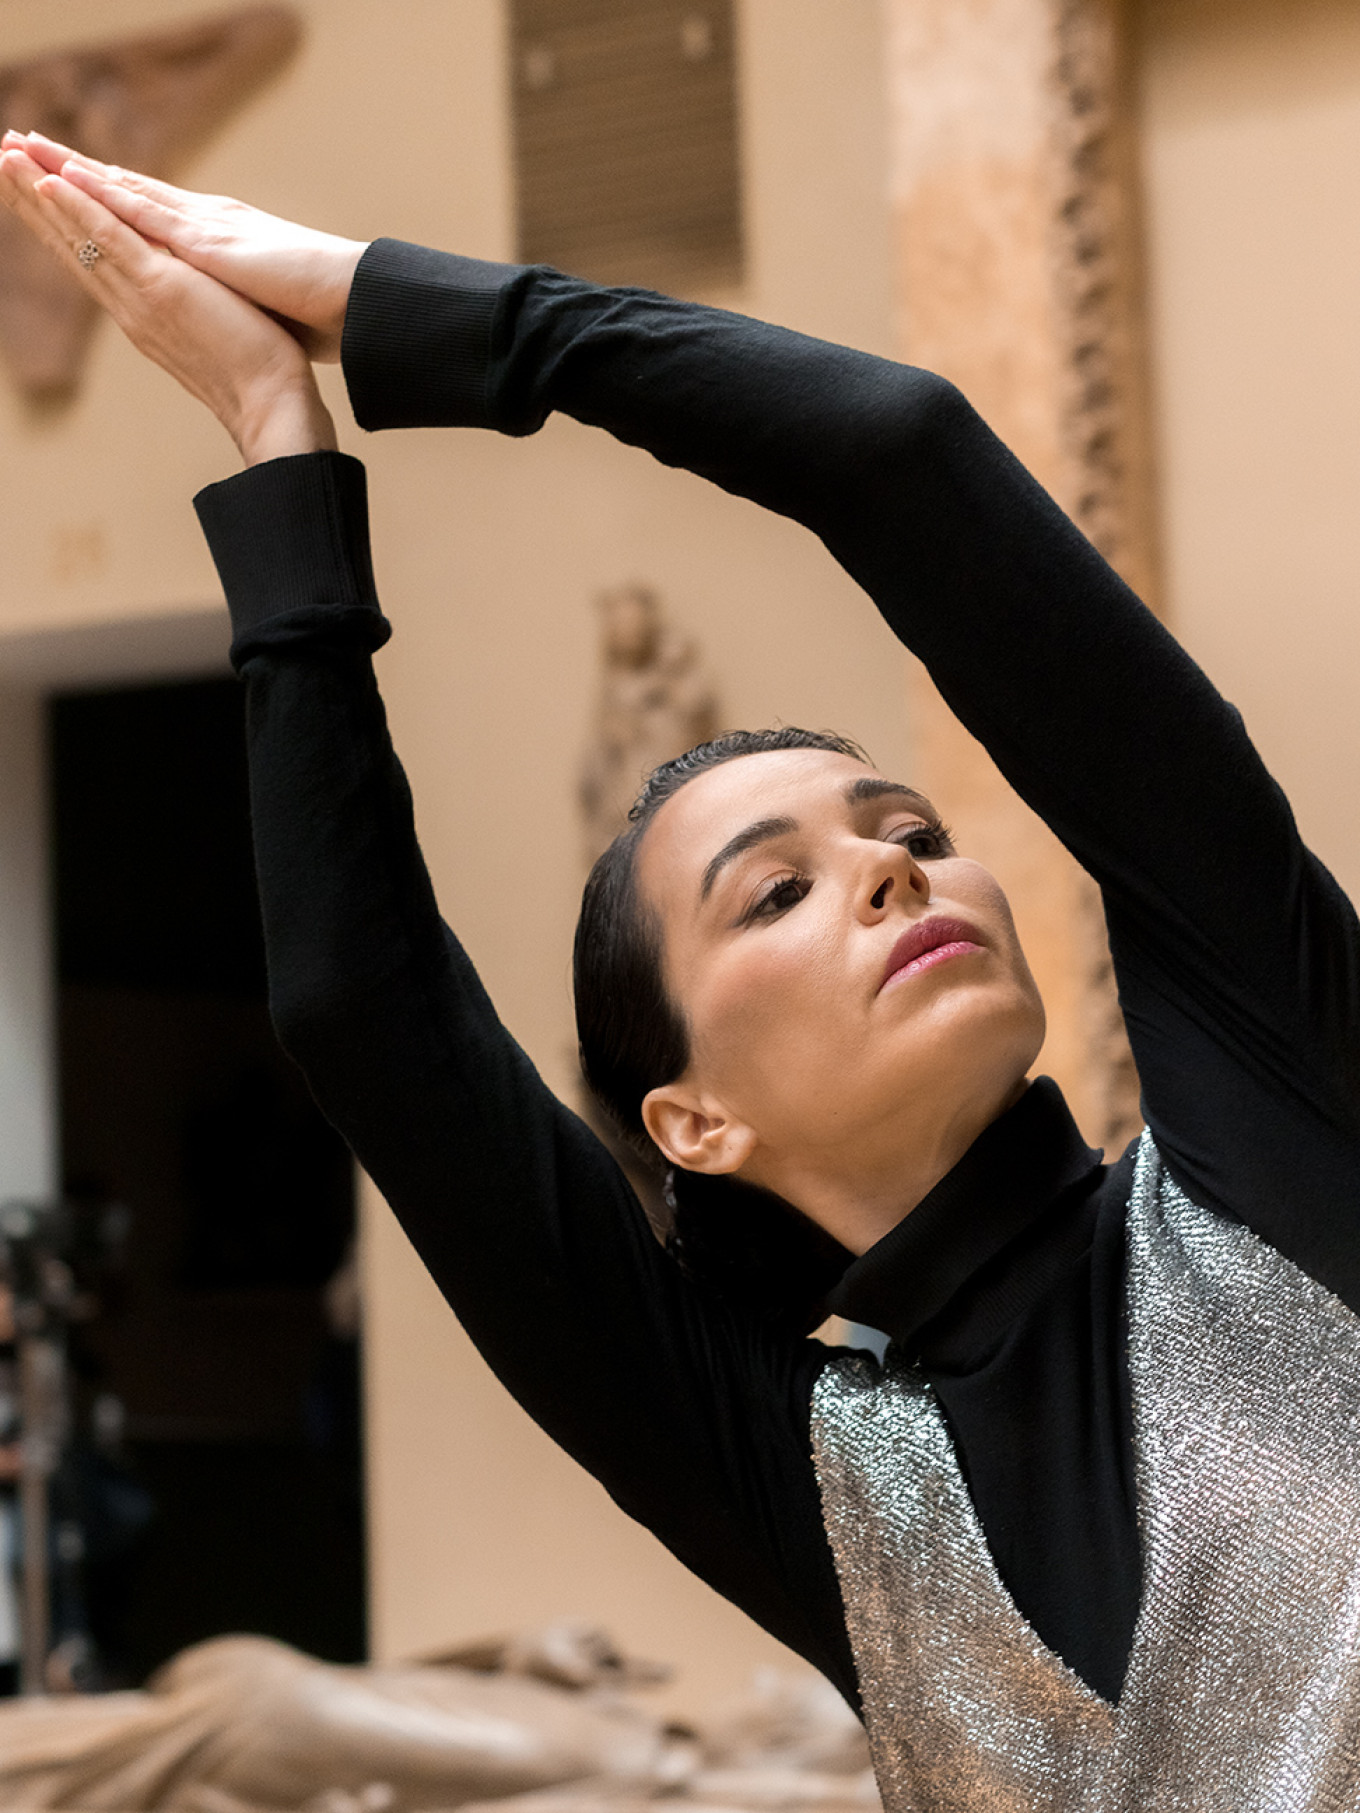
[
  {"x": 249, "y": 1722},
  {"x": 536, "y": 1723},
  {"x": 654, "y": 702},
  {"x": 788, "y": 1745},
  {"x": 145, "y": 102}
]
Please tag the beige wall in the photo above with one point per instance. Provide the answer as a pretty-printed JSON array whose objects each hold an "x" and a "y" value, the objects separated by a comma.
[
  {"x": 488, "y": 553},
  {"x": 1251, "y": 113}
]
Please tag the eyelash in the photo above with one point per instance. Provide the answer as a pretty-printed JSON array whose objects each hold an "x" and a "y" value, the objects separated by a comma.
[{"x": 765, "y": 906}]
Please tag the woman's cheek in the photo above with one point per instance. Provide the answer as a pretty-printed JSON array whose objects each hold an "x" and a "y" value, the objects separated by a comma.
[
  {"x": 972, "y": 883},
  {"x": 769, "y": 989}
]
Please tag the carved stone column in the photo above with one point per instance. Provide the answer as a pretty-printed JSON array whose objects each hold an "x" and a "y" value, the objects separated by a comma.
[{"x": 1015, "y": 193}]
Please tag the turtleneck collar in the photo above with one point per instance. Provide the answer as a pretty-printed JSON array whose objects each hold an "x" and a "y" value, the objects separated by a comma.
[{"x": 1014, "y": 1171}]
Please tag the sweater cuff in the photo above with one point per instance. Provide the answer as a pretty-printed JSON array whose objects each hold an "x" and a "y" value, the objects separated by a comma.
[
  {"x": 418, "y": 338},
  {"x": 290, "y": 541}
]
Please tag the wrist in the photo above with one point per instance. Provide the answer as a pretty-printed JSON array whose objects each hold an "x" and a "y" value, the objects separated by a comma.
[
  {"x": 284, "y": 422},
  {"x": 327, "y": 330}
]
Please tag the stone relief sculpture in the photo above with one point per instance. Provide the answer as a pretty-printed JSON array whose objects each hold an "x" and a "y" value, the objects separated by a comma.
[
  {"x": 543, "y": 1721},
  {"x": 654, "y": 701},
  {"x": 146, "y": 102},
  {"x": 1095, "y": 257},
  {"x": 1016, "y": 193}
]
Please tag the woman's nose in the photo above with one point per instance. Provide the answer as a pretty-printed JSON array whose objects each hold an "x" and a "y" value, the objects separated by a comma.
[{"x": 895, "y": 872}]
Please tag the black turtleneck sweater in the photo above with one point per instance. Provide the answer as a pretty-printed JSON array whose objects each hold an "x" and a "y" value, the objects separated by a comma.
[{"x": 1236, "y": 953}]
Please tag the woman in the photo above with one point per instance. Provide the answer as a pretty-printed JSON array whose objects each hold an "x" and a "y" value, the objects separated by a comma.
[{"x": 1093, "y": 1536}]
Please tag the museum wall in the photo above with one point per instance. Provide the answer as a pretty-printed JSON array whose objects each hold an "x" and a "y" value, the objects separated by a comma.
[
  {"x": 1251, "y": 145},
  {"x": 489, "y": 555}
]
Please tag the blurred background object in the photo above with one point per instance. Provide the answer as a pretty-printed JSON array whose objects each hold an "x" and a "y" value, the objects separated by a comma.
[
  {"x": 147, "y": 102},
  {"x": 654, "y": 700},
  {"x": 242, "y": 1725},
  {"x": 627, "y": 144}
]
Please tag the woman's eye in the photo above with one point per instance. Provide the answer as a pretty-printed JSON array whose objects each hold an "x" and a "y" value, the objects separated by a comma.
[
  {"x": 779, "y": 898},
  {"x": 925, "y": 841}
]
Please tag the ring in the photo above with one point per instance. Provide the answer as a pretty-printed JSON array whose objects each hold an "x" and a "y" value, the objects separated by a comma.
[{"x": 88, "y": 255}]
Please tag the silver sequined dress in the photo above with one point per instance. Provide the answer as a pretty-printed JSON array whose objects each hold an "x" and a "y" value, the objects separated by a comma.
[{"x": 1243, "y": 1686}]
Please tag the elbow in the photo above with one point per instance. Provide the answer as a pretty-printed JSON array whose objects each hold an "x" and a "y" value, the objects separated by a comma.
[
  {"x": 912, "y": 419},
  {"x": 307, "y": 1022},
  {"x": 910, "y": 432},
  {"x": 937, "y": 414}
]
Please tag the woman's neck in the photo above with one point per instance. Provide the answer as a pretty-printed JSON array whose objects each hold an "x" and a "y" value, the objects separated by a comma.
[{"x": 859, "y": 1195}]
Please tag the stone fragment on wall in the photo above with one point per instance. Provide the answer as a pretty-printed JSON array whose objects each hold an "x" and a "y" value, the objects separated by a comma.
[
  {"x": 147, "y": 103},
  {"x": 654, "y": 701}
]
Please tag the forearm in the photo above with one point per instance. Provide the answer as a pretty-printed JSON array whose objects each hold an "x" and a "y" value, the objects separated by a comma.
[{"x": 364, "y": 978}]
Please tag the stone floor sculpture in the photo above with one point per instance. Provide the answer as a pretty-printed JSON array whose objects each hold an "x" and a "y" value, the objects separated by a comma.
[{"x": 543, "y": 1723}]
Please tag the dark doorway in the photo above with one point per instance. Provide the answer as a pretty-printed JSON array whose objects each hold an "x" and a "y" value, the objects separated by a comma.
[{"x": 218, "y": 1373}]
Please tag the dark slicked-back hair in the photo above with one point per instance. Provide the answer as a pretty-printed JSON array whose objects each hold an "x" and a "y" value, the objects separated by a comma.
[{"x": 633, "y": 1037}]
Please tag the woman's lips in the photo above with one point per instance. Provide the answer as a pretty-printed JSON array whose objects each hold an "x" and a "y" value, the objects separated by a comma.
[{"x": 928, "y": 943}]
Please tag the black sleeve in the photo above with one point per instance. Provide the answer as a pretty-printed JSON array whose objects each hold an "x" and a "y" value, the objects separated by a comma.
[
  {"x": 693, "y": 1417},
  {"x": 1235, "y": 951}
]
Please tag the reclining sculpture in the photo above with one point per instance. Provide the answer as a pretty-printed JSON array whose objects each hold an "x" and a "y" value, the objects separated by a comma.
[{"x": 244, "y": 1724}]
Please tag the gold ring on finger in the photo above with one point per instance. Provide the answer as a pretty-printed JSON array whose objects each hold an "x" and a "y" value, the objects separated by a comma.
[{"x": 88, "y": 255}]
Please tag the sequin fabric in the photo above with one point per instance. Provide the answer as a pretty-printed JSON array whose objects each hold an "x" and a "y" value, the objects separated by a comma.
[{"x": 1243, "y": 1687}]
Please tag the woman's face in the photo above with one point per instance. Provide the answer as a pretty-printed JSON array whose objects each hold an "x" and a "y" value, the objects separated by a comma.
[{"x": 856, "y": 996}]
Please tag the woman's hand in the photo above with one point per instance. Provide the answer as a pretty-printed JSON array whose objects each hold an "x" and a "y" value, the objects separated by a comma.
[
  {"x": 249, "y": 370},
  {"x": 293, "y": 271}
]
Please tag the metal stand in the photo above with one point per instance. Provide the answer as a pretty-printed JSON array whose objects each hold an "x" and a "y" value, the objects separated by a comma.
[{"x": 30, "y": 1241}]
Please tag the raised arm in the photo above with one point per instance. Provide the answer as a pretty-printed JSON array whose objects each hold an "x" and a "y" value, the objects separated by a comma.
[
  {"x": 522, "y": 1217},
  {"x": 524, "y": 1220}
]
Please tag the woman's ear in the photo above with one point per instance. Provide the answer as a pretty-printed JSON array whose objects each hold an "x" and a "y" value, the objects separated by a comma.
[{"x": 696, "y": 1134}]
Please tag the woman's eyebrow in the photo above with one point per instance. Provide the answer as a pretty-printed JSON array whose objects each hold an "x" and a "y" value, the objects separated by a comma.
[
  {"x": 760, "y": 832},
  {"x": 870, "y": 787}
]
